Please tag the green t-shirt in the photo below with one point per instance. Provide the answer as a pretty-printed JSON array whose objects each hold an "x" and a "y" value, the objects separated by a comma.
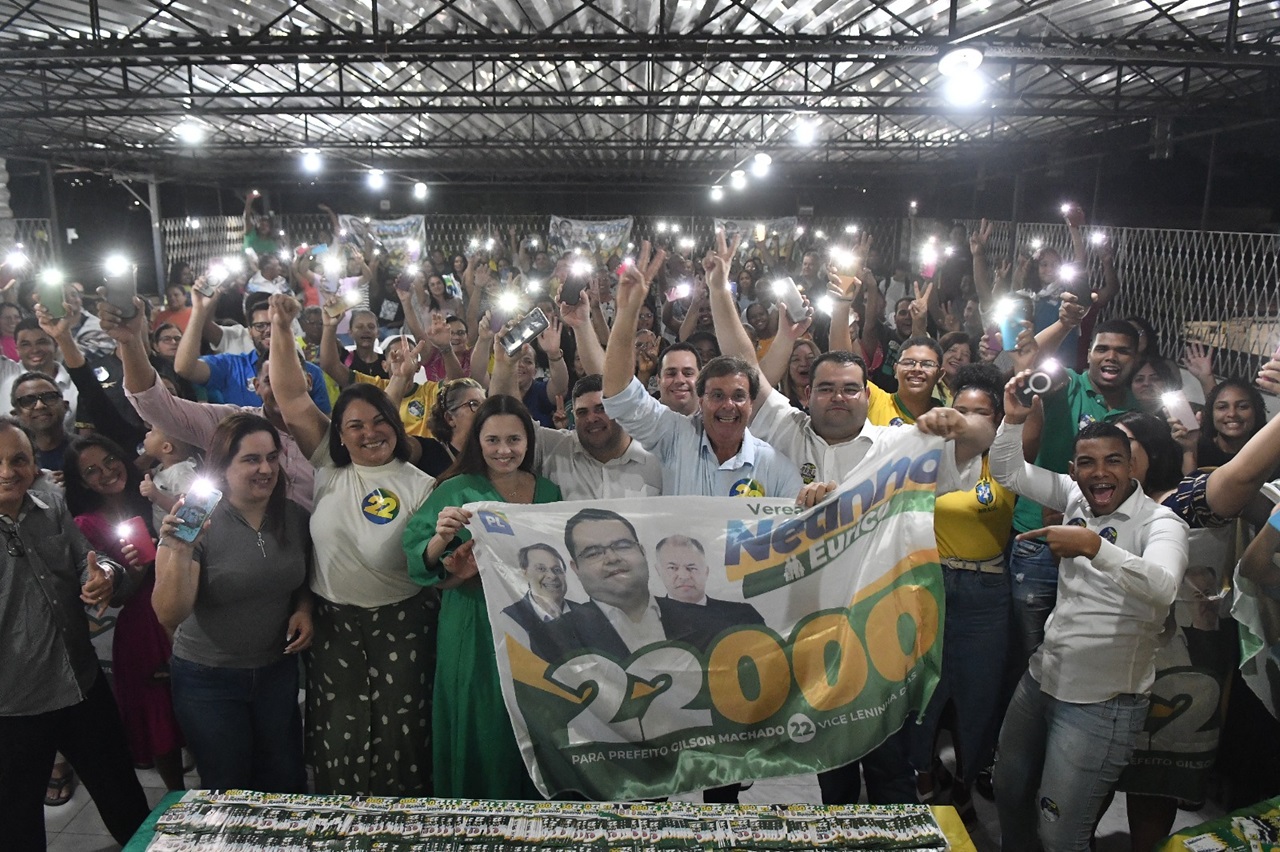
[
  {"x": 260, "y": 244},
  {"x": 1065, "y": 414}
]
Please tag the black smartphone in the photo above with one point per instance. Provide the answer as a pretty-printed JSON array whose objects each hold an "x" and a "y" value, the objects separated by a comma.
[{"x": 121, "y": 287}]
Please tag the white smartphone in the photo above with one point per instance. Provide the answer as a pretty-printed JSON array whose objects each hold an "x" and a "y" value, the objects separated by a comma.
[
  {"x": 789, "y": 294},
  {"x": 1175, "y": 402}
]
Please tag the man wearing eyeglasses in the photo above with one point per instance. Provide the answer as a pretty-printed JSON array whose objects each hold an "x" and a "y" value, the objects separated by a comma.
[
  {"x": 39, "y": 406},
  {"x": 621, "y": 615},
  {"x": 37, "y": 353},
  {"x": 232, "y": 379},
  {"x": 53, "y": 696}
]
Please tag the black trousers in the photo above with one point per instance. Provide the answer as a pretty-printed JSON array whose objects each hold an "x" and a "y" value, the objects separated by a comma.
[
  {"x": 92, "y": 738},
  {"x": 890, "y": 779}
]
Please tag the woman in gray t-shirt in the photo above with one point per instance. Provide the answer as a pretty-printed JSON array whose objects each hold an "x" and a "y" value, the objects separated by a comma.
[{"x": 238, "y": 603}]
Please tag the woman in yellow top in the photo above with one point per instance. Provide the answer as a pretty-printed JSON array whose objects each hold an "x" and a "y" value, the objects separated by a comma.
[{"x": 972, "y": 528}]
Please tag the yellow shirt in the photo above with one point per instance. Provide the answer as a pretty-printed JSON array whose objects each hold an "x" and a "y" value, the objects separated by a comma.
[
  {"x": 414, "y": 408},
  {"x": 883, "y": 408},
  {"x": 974, "y": 524}
]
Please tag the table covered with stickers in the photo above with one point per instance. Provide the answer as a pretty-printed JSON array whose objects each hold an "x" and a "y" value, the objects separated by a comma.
[
  {"x": 1252, "y": 829},
  {"x": 241, "y": 821}
]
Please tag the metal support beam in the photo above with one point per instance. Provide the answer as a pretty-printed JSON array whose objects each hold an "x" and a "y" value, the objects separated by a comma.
[
  {"x": 55, "y": 231},
  {"x": 157, "y": 238},
  {"x": 1208, "y": 181}
]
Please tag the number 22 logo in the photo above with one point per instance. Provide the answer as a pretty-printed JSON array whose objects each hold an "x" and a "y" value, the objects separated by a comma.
[{"x": 380, "y": 506}]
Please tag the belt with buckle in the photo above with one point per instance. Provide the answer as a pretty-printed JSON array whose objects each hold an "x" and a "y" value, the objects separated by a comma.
[{"x": 994, "y": 565}]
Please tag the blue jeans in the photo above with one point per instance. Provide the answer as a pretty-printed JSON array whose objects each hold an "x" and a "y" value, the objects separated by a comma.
[
  {"x": 1058, "y": 763},
  {"x": 243, "y": 725},
  {"x": 1033, "y": 576},
  {"x": 975, "y": 645}
]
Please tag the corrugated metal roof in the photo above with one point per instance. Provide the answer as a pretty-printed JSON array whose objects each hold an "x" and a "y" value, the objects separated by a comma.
[{"x": 556, "y": 86}]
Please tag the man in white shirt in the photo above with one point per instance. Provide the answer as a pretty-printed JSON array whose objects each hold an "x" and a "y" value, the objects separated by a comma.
[
  {"x": 1077, "y": 712},
  {"x": 712, "y": 453},
  {"x": 598, "y": 460},
  {"x": 37, "y": 353}
]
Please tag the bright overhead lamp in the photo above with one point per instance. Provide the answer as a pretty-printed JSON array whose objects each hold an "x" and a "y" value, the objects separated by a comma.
[
  {"x": 717, "y": 193},
  {"x": 760, "y": 164},
  {"x": 190, "y": 132},
  {"x": 419, "y": 190},
  {"x": 807, "y": 131},
  {"x": 310, "y": 160},
  {"x": 377, "y": 179},
  {"x": 964, "y": 88},
  {"x": 738, "y": 179},
  {"x": 959, "y": 61}
]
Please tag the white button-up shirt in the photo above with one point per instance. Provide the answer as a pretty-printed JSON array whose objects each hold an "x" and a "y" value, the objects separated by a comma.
[
  {"x": 690, "y": 467},
  {"x": 636, "y": 634},
  {"x": 1101, "y": 639},
  {"x": 790, "y": 431},
  {"x": 560, "y": 457}
]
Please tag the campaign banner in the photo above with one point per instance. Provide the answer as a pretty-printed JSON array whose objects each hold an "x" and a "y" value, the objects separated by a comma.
[
  {"x": 697, "y": 641},
  {"x": 601, "y": 238},
  {"x": 778, "y": 235},
  {"x": 398, "y": 241}
]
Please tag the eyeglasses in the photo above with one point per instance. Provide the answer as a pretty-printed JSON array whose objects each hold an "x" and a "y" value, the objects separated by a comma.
[
  {"x": 261, "y": 327},
  {"x": 622, "y": 547},
  {"x": 94, "y": 471},
  {"x": 29, "y": 401},
  {"x": 472, "y": 404},
  {"x": 15, "y": 547},
  {"x": 170, "y": 338},
  {"x": 912, "y": 363}
]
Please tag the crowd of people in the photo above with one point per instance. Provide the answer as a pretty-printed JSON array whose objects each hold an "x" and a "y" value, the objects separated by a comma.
[{"x": 347, "y": 410}]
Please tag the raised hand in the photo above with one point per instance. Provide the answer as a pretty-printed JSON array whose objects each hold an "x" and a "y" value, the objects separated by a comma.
[
  {"x": 920, "y": 304},
  {"x": 549, "y": 340},
  {"x": 1198, "y": 361},
  {"x": 1073, "y": 215},
  {"x": 146, "y": 488},
  {"x": 979, "y": 237},
  {"x": 559, "y": 417},
  {"x": 123, "y": 330},
  {"x": 284, "y": 309},
  {"x": 579, "y": 315}
]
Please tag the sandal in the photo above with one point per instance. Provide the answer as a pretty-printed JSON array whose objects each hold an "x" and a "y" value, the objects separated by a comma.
[{"x": 60, "y": 787}]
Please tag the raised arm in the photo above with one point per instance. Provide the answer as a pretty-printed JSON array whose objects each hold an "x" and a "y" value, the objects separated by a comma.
[
  {"x": 1070, "y": 315},
  {"x": 579, "y": 317},
  {"x": 481, "y": 349},
  {"x": 177, "y": 577},
  {"x": 774, "y": 364},
  {"x": 330, "y": 354},
  {"x": 307, "y": 424},
  {"x": 248, "y": 216},
  {"x": 982, "y": 280},
  {"x": 619, "y": 355},
  {"x": 557, "y": 372},
  {"x": 186, "y": 362},
  {"x": 724, "y": 309},
  {"x": 1007, "y": 463}
]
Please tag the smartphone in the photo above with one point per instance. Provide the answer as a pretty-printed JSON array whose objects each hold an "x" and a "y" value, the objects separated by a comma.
[
  {"x": 134, "y": 531},
  {"x": 121, "y": 289},
  {"x": 197, "y": 506},
  {"x": 1271, "y": 491},
  {"x": 404, "y": 281},
  {"x": 571, "y": 290},
  {"x": 789, "y": 294},
  {"x": 51, "y": 296},
  {"x": 1049, "y": 378},
  {"x": 343, "y": 303},
  {"x": 1077, "y": 284},
  {"x": 760, "y": 233},
  {"x": 1175, "y": 402},
  {"x": 1013, "y": 311},
  {"x": 534, "y": 323}
]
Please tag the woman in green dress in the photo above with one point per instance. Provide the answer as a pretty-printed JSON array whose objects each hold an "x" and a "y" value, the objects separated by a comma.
[{"x": 474, "y": 750}]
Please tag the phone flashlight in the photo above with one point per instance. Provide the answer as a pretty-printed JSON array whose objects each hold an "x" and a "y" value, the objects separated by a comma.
[
  {"x": 1067, "y": 272},
  {"x": 1097, "y": 238},
  {"x": 16, "y": 259},
  {"x": 508, "y": 302},
  {"x": 201, "y": 487},
  {"x": 116, "y": 265},
  {"x": 1037, "y": 244},
  {"x": 825, "y": 304},
  {"x": 1065, "y": 208},
  {"x": 533, "y": 286},
  {"x": 582, "y": 267},
  {"x": 682, "y": 290},
  {"x": 533, "y": 243},
  {"x": 352, "y": 297},
  {"x": 52, "y": 277}
]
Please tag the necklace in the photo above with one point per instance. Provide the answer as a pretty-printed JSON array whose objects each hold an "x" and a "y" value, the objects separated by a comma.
[{"x": 262, "y": 545}]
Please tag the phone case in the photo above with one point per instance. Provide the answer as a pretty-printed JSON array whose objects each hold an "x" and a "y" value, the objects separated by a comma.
[
  {"x": 534, "y": 323},
  {"x": 195, "y": 510},
  {"x": 51, "y": 296},
  {"x": 120, "y": 292},
  {"x": 1176, "y": 404},
  {"x": 1011, "y": 325}
]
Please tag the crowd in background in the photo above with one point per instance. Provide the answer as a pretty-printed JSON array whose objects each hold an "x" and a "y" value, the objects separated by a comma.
[{"x": 348, "y": 404}]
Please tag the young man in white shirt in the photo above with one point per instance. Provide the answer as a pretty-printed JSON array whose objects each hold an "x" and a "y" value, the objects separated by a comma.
[{"x": 1077, "y": 712}]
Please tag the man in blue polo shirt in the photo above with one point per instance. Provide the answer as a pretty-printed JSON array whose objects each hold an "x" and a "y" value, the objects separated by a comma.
[{"x": 232, "y": 379}]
